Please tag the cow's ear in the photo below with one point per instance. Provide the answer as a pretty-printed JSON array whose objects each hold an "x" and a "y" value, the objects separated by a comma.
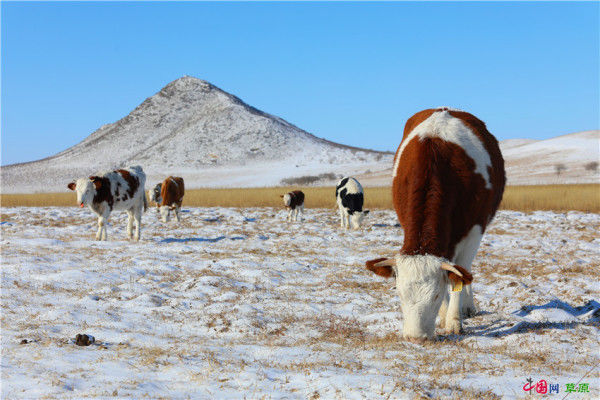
[
  {"x": 382, "y": 266},
  {"x": 72, "y": 185},
  {"x": 366, "y": 212},
  {"x": 97, "y": 182},
  {"x": 457, "y": 274},
  {"x": 281, "y": 196}
]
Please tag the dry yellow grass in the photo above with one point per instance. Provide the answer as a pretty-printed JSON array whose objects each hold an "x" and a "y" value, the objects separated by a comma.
[{"x": 584, "y": 197}]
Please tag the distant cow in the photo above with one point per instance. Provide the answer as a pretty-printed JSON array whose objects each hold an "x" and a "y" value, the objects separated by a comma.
[
  {"x": 350, "y": 198},
  {"x": 447, "y": 185},
  {"x": 168, "y": 196},
  {"x": 294, "y": 202},
  {"x": 122, "y": 189}
]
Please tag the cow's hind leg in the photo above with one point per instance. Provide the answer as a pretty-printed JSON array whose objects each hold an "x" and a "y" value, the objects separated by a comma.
[
  {"x": 102, "y": 234},
  {"x": 177, "y": 216},
  {"x": 165, "y": 213},
  {"x": 138, "y": 223},
  {"x": 130, "y": 223},
  {"x": 100, "y": 227}
]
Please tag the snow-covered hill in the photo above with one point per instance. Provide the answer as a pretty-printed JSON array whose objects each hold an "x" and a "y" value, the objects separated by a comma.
[
  {"x": 563, "y": 159},
  {"x": 193, "y": 129},
  {"x": 211, "y": 138},
  {"x": 560, "y": 160}
]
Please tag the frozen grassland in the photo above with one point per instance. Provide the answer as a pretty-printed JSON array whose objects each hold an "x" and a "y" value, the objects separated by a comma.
[{"x": 236, "y": 303}]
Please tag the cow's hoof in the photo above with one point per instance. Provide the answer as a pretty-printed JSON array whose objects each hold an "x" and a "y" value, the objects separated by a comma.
[
  {"x": 453, "y": 327},
  {"x": 468, "y": 312},
  {"x": 416, "y": 340}
]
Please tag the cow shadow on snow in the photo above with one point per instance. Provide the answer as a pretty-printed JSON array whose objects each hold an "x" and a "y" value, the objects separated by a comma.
[
  {"x": 192, "y": 239},
  {"x": 200, "y": 239},
  {"x": 502, "y": 327}
]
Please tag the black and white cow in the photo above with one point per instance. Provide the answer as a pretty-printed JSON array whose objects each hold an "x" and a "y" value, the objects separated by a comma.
[
  {"x": 350, "y": 198},
  {"x": 122, "y": 189}
]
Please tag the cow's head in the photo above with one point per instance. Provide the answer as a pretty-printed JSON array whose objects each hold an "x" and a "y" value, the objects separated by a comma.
[
  {"x": 422, "y": 283},
  {"x": 357, "y": 217},
  {"x": 154, "y": 194},
  {"x": 287, "y": 199},
  {"x": 86, "y": 189}
]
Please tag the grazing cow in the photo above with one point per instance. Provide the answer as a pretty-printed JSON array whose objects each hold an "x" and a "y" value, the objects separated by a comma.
[
  {"x": 350, "y": 197},
  {"x": 294, "y": 202},
  {"x": 122, "y": 189},
  {"x": 448, "y": 181},
  {"x": 168, "y": 196}
]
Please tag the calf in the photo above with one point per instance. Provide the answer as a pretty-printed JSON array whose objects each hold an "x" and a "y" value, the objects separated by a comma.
[
  {"x": 350, "y": 198},
  {"x": 168, "y": 196},
  {"x": 448, "y": 180},
  {"x": 122, "y": 189},
  {"x": 294, "y": 202}
]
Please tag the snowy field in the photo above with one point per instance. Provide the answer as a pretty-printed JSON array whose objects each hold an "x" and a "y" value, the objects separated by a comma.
[{"x": 236, "y": 303}]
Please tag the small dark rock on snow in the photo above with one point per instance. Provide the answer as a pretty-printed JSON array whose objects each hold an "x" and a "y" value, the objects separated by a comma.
[{"x": 84, "y": 340}]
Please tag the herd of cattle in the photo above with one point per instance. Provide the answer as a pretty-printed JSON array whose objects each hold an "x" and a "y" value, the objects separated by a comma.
[{"x": 448, "y": 181}]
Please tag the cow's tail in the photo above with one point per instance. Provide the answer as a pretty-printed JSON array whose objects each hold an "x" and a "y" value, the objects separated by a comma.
[{"x": 145, "y": 202}]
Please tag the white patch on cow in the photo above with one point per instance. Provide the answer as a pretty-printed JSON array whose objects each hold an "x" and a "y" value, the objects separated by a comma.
[
  {"x": 466, "y": 249},
  {"x": 85, "y": 190},
  {"x": 165, "y": 213},
  {"x": 421, "y": 285},
  {"x": 287, "y": 199},
  {"x": 352, "y": 186},
  {"x": 442, "y": 125},
  {"x": 356, "y": 219},
  {"x": 446, "y": 108}
]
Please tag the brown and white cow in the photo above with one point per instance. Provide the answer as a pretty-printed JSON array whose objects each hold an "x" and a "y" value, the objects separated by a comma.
[
  {"x": 168, "y": 196},
  {"x": 448, "y": 180},
  {"x": 122, "y": 189},
  {"x": 294, "y": 202}
]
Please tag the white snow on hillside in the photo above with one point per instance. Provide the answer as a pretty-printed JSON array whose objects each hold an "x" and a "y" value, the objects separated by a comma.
[
  {"x": 536, "y": 161},
  {"x": 236, "y": 303},
  {"x": 211, "y": 138},
  {"x": 193, "y": 129}
]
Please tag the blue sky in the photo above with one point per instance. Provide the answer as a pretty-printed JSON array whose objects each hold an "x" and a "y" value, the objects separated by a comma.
[{"x": 349, "y": 72}]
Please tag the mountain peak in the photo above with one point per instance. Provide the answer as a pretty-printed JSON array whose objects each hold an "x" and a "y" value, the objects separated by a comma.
[
  {"x": 186, "y": 84},
  {"x": 194, "y": 129}
]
